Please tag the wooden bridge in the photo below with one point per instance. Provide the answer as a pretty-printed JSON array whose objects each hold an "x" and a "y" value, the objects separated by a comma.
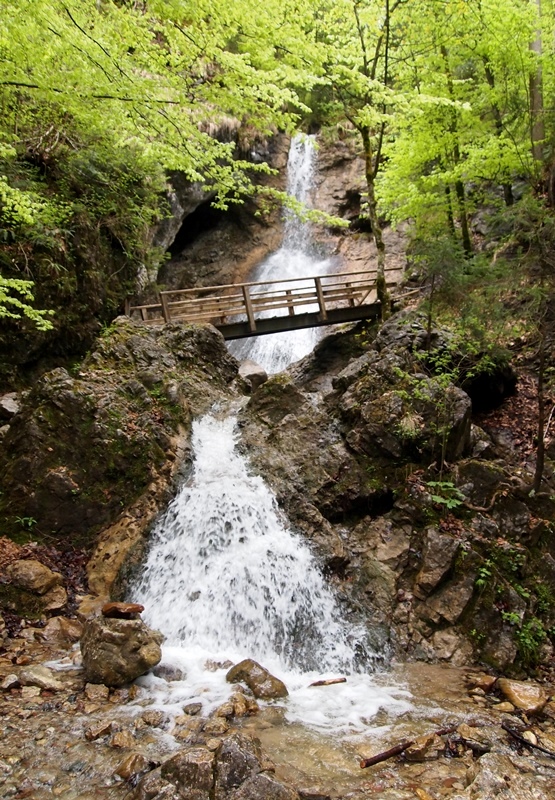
[{"x": 251, "y": 309}]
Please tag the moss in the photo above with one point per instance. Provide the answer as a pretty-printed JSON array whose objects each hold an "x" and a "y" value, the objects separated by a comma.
[{"x": 27, "y": 605}]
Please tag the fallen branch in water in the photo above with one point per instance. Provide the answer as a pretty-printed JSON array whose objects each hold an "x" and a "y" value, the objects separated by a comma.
[
  {"x": 525, "y": 742},
  {"x": 328, "y": 682},
  {"x": 393, "y": 751},
  {"x": 399, "y": 748}
]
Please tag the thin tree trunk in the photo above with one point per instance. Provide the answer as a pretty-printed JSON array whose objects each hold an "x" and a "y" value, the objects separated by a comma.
[
  {"x": 377, "y": 233},
  {"x": 490, "y": 77},
  {"x": 540, "y": 449}
]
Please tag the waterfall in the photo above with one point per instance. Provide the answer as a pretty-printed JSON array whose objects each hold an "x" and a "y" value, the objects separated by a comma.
[
  {"x": 226, "y": 579},
  {"x": 298, "y": 256},
  {"x": 225, "y": 572}
]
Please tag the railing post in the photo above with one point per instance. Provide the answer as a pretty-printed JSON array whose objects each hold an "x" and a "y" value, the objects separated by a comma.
[
  {"x": 165, "y": 307},
  {"x": 290, "y": 306},
  {"x": 351, "y": 294},
  {"x": 321, "y": 302},
  {"x": 248, "y": 306},
  {"x": 127, "y": 307}
]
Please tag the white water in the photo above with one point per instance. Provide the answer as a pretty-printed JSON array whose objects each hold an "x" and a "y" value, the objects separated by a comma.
[
  {"x": 296, "y": 258},
  {"x": 225, "y": 579}
]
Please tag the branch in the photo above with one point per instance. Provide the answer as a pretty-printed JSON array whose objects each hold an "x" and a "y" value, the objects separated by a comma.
[{"x": 84, "y": 32}]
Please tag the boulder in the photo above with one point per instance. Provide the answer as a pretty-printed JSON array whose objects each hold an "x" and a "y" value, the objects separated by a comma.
[
  {"x": 116, "y": 651},
  {"x": 261, "y": 683},
  {"x": 253, "y": 373},
  {"x": 192, "y": 771},
  {"x": 528, "y": 697},
  {"x": 240, "y": 758},
  {"x": 32, "y": 576}
]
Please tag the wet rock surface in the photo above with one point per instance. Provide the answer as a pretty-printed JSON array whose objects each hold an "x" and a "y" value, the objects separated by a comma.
[
  {"x": 81, "y": 741},
  {"x": 116, "y": 651},
  {"x": 261, "y": 683}
]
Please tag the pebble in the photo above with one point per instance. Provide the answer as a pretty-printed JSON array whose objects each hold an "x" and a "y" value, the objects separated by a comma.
[
  {"x": 132, "y": 766},
  {"x": 96, "y": 731},
  {"x": 192, "y": 709},
  {"x": 530, "y": 737},
  {"x": 122, "y": 739},
  {"x": 505, "y": 707},
  {"x": 96, "y": 692},
  {"x": 11, "y": 681}
]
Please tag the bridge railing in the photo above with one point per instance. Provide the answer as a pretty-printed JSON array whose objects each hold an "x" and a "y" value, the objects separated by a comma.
[{"x": 223, "y": 304}]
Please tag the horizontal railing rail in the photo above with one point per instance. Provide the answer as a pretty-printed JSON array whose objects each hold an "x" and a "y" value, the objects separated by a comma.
[{"x": 227, "y": 304}]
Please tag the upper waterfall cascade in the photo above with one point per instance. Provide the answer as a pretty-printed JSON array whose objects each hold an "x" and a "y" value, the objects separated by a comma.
[{"x": 298, "y": 256}]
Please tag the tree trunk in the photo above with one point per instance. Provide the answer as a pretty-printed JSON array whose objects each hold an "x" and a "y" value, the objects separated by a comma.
[
  {"x": 537, "y": 127},
  {"x": 377, "y": 234}
]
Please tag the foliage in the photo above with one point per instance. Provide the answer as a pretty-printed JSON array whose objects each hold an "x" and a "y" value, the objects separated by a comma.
[{"x": 446, "y": 494}]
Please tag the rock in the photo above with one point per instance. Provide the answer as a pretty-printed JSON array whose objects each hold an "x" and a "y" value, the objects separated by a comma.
[
  {"x": 153, "y": 718},
  {"x": 263, "y": 787},
  {"x": 122, "y": 610},
  {"x": 253, "y": 373},
  {"x": 425, "y": 748},
  {"x": 131, "y": 767},
  {"x": 99, "y": 729},
  {"x": 40, "y": 676},
  {"x": 97, "y": 692},
  {"x": 61, "y": 631},
  {"x": 30, "y": 692},
  {"x": 439, "y": 554},
  {"x": 90, "y": 606},
  {"x": 216, "y": 726},
  {"x": 527, "y": 697},
  {"x": 54, "y": 599},
  {"x": 192, "y": 772},
  {"x": 32, "y": 576},
  {"x": 122, "y": 739},
  {"x": 261, "y": 683},
  {"x": 192, "y": 709},
  {"x": 239, "y": 759},
  {"x": 151, "y": 785},
  {"x": 243, "y": 706},
  {"x": 168, "y": 672},
  {"x": 11, "y": 681},
  {"x": 449, "y": 603},
  {"x": 116, "y": 651},
  {"x": 9, "y": 405},
  {"x": 481, "y": 681},
  {"x": 504, "y": 708}
]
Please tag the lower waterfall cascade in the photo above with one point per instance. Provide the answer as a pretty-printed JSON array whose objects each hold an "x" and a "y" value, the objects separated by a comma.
[{"x": 225, "y": 579}]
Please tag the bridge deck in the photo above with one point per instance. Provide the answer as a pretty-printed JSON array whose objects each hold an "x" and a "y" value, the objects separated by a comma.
[{"x": 249, "y": 309}]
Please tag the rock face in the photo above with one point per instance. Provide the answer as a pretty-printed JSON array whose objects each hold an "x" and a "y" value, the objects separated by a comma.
[
  {"x": 85, "y": 447},
  {"x": 116, "y": 651},
  {"x": 348, "y": 439},
  {"x": 261, "y": 683}
]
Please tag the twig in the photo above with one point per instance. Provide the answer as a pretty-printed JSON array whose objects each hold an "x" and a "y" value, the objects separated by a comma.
[
  {"x": 400, "y": 748},
  {"x": 525, "y": 742},
  {"x": 328, "y": 682}
]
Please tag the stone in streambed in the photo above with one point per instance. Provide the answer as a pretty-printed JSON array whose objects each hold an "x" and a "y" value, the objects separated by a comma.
[
  {"x": 527, "y": 697},
  {"x": 116, "y": 651},
  {"x": 261, "y": 683},
  {"x": 40, "y": 676}
]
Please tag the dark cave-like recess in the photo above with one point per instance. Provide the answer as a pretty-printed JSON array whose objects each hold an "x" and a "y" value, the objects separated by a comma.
[{"x": 204, "y": 218}]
